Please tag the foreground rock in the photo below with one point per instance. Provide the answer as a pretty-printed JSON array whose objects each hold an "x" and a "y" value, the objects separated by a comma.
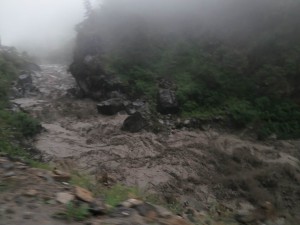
[
  {"x": 83, "y": 194},
  {"x": 135, "y": 123},
  {"x": 24, "y": 86},
  {"x": 91, "y": 78},
  {"x": 167, "y": 102}
]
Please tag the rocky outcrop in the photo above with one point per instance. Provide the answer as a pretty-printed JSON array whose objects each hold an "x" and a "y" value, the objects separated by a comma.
[
  {"x": 24, "y": 86},
  {"x": 166, "y": 98},
  {"x": 167, "y": 102},
  {"x": 135, "y": 123},
  {"x": 93, "y": 80}
]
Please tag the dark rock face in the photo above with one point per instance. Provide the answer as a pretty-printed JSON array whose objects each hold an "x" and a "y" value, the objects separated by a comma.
[
  {"x": 135, "y": 123},
  {"x": 167, "y": 102},
  {"x": 93, "y": 80},
  {"x": 24, "y": 86},
  {"x": 112, "y": 106}
]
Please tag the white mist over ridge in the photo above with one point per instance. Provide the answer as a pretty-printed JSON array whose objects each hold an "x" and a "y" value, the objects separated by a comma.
[{"x": 37, "y": 25}]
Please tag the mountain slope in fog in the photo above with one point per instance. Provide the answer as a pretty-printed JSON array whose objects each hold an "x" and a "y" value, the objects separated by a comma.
[{"x": 235, "y": 61}]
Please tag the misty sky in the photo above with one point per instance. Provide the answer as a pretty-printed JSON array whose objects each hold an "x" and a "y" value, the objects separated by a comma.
[{"x": 38, "y": 23}]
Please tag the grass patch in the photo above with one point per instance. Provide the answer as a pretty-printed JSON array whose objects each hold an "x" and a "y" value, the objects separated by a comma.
[
  {"x": 119, "y": 193},
  {"x": 39, "y": 165},
  {"x": 83, "y": 180},
  {"x": 74, "y": 212}
]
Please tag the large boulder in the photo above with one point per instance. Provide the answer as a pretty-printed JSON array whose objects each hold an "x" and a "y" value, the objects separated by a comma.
[
  {"x": 167, "y": 102},
  {"x": 92, "y": 79},
  {"x": 135, "y": 123},
  {"x": 24, "y": 86},
  {"x": 24, "y": 79},
  {"x": 112, "y": 106}
]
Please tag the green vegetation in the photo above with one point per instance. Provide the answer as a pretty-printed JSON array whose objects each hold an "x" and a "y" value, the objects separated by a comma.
[
  {"x": 119, "y": 193},
  {"x": 14, "y": 126},
  {"x": 82, "y": 180},
  {"x": 245, "y": 73},
  {"x": 209, "y": 88},
  {"x": 74, "y": 212}
]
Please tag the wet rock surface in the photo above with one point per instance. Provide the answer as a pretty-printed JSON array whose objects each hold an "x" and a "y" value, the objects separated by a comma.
[
  {"x": 92, "y": 79},
  {"x": 167, "y": 102},
  {"x": 135, "y": 123},
  {"x": 201, "y": 168}
]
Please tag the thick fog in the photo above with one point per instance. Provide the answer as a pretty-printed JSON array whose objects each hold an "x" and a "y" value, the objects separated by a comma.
[{"x": 39, "y": 25}]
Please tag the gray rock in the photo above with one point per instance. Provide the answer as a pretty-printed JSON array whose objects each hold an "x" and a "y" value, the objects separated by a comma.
[
  {"x": 122, "y": 212},
  {"x": 92, "y": 79},
  {"x": 25, "y": 86},
  {"x": 135, "y": 123},
  {"x": 167, "y": 102},
  {"x": 146, "y": 209},
  {"x": 112, "y": 106},
  {"x": 244, "y": 216},
  {"x": 64, "y": 197},
  {"x": 97, "y": 207},
  {"x": 24, "y": 79},
  {"x": 136, "y": 106},
  {"x": 163, "y": 212},
  {"x": 131, "y": 203}
]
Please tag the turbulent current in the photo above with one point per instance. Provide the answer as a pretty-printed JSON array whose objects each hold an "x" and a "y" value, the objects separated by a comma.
[{"x": 188, "y": 165}]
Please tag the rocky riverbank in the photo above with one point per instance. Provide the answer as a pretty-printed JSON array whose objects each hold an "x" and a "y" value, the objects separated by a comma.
[{"x": 208, "y": 170}]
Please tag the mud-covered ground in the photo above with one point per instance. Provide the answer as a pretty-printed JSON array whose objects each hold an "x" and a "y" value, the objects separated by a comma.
[{"x": 204, "y": 169}]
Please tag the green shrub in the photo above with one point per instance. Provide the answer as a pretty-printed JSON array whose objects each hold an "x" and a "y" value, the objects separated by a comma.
[
  {"x": 118, "y": 193},
  {"x": 27, "y": 126},
  {"x": 14, "y": 126},
  {"x": 75, "y": 212},
  {"x": 241, "y": 113}
]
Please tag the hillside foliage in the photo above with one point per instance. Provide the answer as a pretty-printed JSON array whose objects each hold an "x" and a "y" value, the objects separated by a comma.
[
  {"x": 14, "y": 126},
  {"x": 239, "y": 62}
]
